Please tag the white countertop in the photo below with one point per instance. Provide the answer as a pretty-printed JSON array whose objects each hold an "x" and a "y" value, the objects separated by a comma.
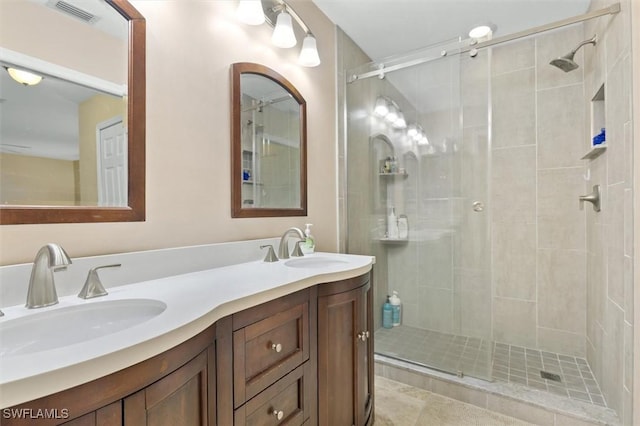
[{"x": 194, "y": 302}]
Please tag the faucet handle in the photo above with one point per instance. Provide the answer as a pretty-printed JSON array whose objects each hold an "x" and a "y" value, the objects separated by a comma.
[
  {"x": 93, "y": 286},
  {"x": 297, "y": 252},
  {"x": 271, "y": 255}
]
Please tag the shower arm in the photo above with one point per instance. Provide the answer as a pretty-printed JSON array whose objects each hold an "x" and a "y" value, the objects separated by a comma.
[{"x": 592, "y": 40}]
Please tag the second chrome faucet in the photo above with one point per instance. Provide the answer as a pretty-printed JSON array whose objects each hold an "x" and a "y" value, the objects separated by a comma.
[{"x": 283, "y": 248}]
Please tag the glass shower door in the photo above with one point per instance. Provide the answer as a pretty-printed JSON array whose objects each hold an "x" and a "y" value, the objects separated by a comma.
[{"x": 430, "y": 173}]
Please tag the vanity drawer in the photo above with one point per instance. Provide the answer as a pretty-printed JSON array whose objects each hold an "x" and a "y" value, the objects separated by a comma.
[
  {"x": 289, "y": 398},
  {"x": 266, "y": 350}
]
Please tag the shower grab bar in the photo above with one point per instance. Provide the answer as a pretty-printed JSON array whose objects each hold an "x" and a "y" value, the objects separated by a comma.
[{"x": 611, "y": 10}]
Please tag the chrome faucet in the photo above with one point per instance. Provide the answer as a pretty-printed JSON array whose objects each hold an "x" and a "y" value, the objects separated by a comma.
[
  {"x": 283, "y": 248},
  {"x": 42, "y": 287}
]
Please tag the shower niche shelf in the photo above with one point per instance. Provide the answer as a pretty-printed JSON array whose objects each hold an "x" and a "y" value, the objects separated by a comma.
[
  {"x": 386, "y": 240},
  {"x": 400, "y": 174},
  {"x": 598, "y": 117}
]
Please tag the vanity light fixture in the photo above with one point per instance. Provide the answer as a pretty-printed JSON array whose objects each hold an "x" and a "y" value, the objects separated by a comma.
[
  {"x": 24, "y": 77},
  {"x": 381, "y": 107},
  {"x": 283, "y": 35},
  {"x": 250, "y": 12},
  {"x": 280, "y": 16},
  {"x": 309, "y": 54}
]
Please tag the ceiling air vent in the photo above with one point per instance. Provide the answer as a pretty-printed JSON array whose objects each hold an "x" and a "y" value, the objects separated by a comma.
[{"x": 72, "y": 10}]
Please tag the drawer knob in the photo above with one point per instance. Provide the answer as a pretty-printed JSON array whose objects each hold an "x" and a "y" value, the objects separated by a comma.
[
  {"x": 278, "y": 414},
  {"x": 276, "y": 347}
]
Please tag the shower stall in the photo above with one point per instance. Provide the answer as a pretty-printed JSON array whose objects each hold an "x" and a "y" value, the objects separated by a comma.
[{"x": 484, "y": 150}]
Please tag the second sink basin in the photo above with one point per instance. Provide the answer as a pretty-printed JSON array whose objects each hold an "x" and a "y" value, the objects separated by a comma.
[
  {"x": 314, "y": 262},
  {"x": 65, "y": 326}
]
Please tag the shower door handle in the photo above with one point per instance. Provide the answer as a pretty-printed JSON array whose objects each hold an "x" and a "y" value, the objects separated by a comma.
[{"x": 477, "y": 206}]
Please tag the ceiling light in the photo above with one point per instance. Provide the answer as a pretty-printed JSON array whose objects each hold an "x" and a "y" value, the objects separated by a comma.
[
  {"x": 250, "y": 12},
  {"x": 24, "y": 77},
  {"x": 480, "y": 31},
  {"x": 283, "y": 35},
  {"x": 381, "y": 108},
  {"x": 309, "y": 54}
]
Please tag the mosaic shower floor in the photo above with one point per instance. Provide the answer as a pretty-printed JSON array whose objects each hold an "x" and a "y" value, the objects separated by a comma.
[{"x": 558, "y": 374}]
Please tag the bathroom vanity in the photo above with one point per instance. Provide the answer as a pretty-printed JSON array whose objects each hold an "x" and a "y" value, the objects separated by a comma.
[{"x": 291, "y": 345}]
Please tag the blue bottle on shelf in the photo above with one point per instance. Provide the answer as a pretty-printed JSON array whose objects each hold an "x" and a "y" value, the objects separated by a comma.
[{"x": 387, "y": 314}]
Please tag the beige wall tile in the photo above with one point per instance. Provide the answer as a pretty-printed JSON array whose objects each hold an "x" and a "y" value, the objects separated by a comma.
[
  {"x": 513, "y": 108},
  {"x": 513, "y": 184},
  {"x": 562, "y": 342},
  {"x": 514, "y": 321},
  {"x": 562, "y": 295},
  {"x": 513, "y": 56},
  {"x": 560, "y": 127},
  {"x": 561, "y": 222},
  {"x": 514, "y": 259},
  {"x": 614, "y": 243},
  {"x": 617, "y": 104}
]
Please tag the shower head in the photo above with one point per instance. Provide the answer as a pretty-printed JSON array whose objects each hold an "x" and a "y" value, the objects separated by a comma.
[{"x": 566, "y": 62}]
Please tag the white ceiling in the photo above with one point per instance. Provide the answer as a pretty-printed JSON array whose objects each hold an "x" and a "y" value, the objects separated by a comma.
[{"x": 384, "y": 28}]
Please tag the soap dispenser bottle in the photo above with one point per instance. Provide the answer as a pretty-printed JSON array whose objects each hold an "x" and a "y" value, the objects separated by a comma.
[
  {"x": 309, "y": 244},
  {"x": 387, "y": 314}
]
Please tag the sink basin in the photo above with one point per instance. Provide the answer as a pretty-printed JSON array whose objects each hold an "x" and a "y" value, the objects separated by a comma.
[
  {"x": 66, "y": 326},
  {"x": 314, "y": 262}
]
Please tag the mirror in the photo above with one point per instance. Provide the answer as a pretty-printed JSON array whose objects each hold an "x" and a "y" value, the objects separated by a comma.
[
  {"x": 268, "y": 144},
  {"x": 72, "y": 147}
]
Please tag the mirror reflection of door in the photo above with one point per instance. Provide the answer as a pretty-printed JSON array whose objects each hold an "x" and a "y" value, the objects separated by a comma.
[{"x": 112, "y": 163}]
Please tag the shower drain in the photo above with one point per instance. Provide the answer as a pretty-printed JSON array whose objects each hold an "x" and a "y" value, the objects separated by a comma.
[{"x": 550, "y": 376}]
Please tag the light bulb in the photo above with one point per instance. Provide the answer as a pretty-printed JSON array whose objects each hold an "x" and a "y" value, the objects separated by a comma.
[
  {"x": 400, "y": 122},
  {"x": 392, "y": 115},
  {"x": 24, "y": 77},
  {"x": 381, "y": 108},
  {"x": 412, "y": 131},
  {"x": 480, "y": 32},
  {"x": 250, "y": 12},
  {"x": 309, "y": 54},
  {"x": 283, "y": 35}
]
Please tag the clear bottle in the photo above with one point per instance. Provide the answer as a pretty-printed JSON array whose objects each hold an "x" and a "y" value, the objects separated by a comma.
[
  {"x": 396, "y": 307},
  {"x": 392, "y": 224},
  {"x": 309, "y": 244}
]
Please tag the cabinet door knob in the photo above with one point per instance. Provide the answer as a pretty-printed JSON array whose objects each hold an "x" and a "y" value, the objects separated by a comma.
[
  {"x": 276, "y": 347},
  {"x": 278, "y": 414},
  {"x": 363, "y": 336}
]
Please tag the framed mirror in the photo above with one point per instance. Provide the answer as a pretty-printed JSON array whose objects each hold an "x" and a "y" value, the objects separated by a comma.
[
  {"x": 268, "y": 144},
  {"x": 72, "y": 147}
]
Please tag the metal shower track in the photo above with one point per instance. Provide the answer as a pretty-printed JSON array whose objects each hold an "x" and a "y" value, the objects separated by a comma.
[{"x": 611, "y": 10}]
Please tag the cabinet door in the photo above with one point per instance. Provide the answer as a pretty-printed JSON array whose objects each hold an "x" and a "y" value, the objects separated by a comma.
[
  {"x": 111, "y": 415},
  {"x": 181, "y": 398},
  {"x": 344, "y": 378}
]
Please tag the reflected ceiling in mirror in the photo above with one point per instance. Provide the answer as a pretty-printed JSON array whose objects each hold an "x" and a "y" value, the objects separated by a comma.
[
  {"x": 72, "y": 146},
  {"x": 268, "y": 144}
]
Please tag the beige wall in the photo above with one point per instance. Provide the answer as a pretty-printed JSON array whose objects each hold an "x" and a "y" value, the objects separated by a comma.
[
  {"x": 190, "y": 46},
  {"x": 91, "y": 112},
  {"x": 36, "y": 180}
]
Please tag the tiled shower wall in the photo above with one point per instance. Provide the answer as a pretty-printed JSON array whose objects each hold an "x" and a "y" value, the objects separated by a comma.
[
  {"x": 538, "y": 229},
  {"x": 609, "y": 233}
]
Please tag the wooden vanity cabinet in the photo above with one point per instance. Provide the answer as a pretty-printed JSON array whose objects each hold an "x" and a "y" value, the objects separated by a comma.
[
  {"x": 302, "y": 359},
  {"x": 345, "y": 353},
  {"x": 271, "y": 363},
  {"x": 173, "y": 381}
]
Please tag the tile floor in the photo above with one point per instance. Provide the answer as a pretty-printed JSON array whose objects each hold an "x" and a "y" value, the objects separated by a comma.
[
  {"x": 491, "y": 361},
  {"x": 398, "y": 404}
]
